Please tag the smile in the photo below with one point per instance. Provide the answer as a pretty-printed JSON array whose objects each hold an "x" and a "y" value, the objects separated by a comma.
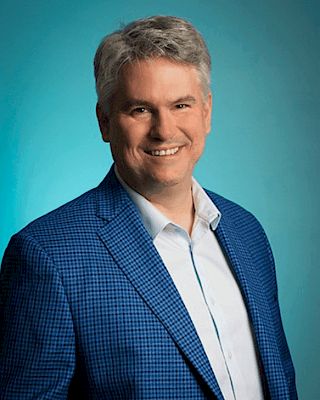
[{"x": 164, "y": 152}]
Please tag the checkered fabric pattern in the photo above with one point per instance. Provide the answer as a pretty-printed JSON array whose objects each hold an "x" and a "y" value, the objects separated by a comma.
[{"x": 89, "y": 311}]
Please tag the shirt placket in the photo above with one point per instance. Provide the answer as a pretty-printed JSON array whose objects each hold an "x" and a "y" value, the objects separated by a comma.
[{"x": 200, "y": 229}]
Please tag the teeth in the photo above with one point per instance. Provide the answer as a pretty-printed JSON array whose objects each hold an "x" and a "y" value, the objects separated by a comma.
[{"x": 168, "y": 152}]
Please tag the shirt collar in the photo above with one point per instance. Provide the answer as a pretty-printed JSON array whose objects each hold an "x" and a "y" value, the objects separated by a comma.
[
  {"x": 204, "y": 206},
  {"x": 154, "y": 221}
]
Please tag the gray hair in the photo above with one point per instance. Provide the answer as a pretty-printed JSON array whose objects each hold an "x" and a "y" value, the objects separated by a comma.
[{"x": 158, "y": 36}]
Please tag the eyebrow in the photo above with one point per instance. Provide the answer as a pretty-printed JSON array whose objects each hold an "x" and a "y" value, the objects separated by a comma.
[{"x": 185, "y": 99}]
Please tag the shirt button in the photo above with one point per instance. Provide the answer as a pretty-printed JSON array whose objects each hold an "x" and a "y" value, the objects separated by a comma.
[{"x": 229, "y": 355}]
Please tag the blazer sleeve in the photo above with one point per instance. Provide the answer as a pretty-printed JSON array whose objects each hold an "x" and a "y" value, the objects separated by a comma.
[
  {"x": 37, "y": 345},
  {"x": 280, "y": 335}
]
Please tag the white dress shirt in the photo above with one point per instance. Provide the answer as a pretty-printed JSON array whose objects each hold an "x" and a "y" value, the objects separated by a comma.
[{"x": 209, "y": 292}]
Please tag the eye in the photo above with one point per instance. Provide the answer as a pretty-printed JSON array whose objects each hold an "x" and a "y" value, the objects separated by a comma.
[
  {"x": 139, "y": 110},
  {"x": 182, "y": 106}
]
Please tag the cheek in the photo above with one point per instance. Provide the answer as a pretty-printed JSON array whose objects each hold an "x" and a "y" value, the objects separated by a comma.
[
  {"x": 199, "y": 147},
  {"x": 120, "y": 138},
  {"x": 195, "y": 123},
  {"x": 125, "y": 148},
  {"x": 132, "y": 135},
  {"x": 198, "y": 141}
]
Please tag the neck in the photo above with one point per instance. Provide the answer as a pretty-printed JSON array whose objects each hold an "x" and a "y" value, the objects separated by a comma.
[{"x": 176, "y": 203}]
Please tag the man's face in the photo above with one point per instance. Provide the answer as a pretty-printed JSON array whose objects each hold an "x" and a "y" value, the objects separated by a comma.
[{"x": 157, "y": 124}]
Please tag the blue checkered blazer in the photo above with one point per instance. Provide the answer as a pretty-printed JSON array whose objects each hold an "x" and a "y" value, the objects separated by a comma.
[{"x": 89, "y": 311}]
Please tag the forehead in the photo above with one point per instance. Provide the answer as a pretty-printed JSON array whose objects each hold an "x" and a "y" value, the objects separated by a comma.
[{"x": 158, "y": 77}]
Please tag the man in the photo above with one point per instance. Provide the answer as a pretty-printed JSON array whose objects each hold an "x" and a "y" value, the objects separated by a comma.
[{"x": 146, "y": 287}]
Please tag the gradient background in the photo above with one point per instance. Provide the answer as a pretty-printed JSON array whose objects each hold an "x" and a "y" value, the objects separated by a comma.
[{"x": 263, "y": 151}]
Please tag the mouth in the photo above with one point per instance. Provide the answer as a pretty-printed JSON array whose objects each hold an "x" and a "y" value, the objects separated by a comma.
[{"x": 163, "y": 152}]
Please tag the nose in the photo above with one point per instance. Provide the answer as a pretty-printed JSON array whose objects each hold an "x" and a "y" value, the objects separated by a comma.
[{"x": 163, "y": 126}]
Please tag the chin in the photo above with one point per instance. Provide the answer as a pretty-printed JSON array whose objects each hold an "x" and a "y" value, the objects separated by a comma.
[{"x": 162, "y": 182}]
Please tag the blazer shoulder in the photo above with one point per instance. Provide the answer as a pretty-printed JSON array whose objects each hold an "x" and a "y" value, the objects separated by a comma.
[
  {"x": 231, "y": 210},
  {"x": 245, "y": 223},
  {"x": 71, "y": 212},
  {"x": 83, "y": 212},
  {"x": 74, "y": 225},
  {"x": 55, "y": 236},
  {"x": 63, "y": 227}
]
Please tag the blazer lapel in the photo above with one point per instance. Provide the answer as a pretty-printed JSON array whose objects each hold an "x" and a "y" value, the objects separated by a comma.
[
  {"x": 125, "y": 237},
  {"x": 252, "y": 289}
]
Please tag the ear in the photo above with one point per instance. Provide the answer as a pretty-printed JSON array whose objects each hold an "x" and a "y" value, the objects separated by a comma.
[
  {"x": 208, "y": 112},
  {"x": 103, "y": 123}
]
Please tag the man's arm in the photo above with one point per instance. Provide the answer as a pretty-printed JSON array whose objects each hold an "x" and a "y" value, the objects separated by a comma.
[
  {"x": 282, "y": 341},
  {"x": 37, "y": 345}
]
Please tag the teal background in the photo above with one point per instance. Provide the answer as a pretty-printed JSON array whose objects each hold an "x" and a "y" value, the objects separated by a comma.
[{"x": 263, "y": 151}]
